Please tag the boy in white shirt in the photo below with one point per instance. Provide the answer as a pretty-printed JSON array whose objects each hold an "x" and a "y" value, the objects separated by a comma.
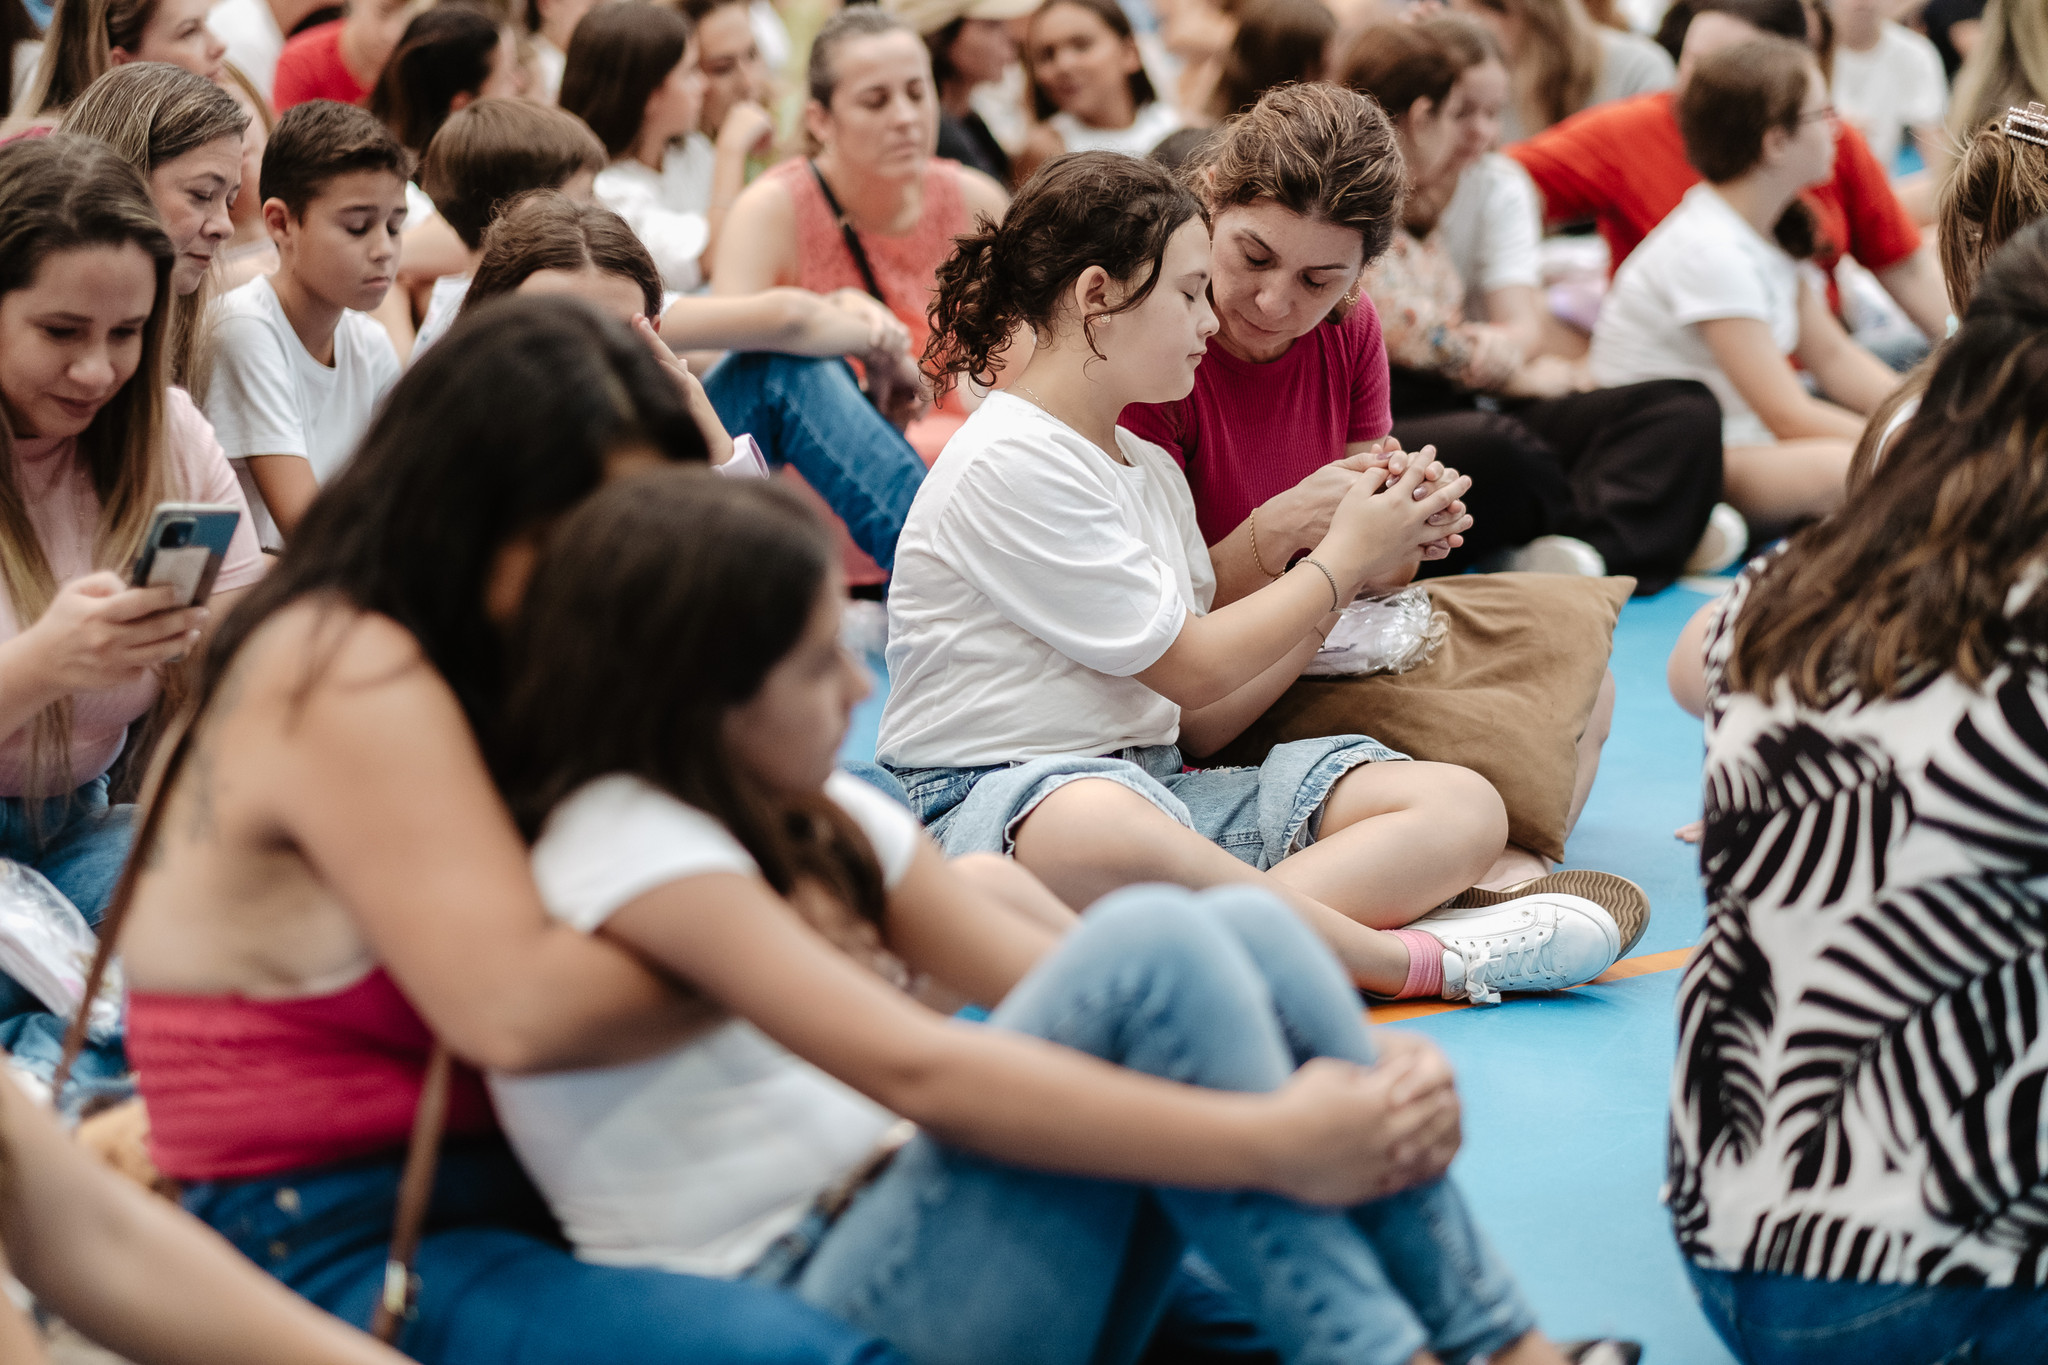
[{"x": 298, "y": 368}]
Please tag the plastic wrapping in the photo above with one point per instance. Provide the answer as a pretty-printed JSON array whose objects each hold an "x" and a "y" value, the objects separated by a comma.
[
  {"x": 1390, "y": 634},
  {"x": 46, "y": 945}
]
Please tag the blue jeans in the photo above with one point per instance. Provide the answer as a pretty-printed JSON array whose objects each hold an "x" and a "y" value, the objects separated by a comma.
[
  {"x": 1787, "y": 1320},
  {"x": 958, "y": 1260},
  {"x": 80, "y": 844},
  {"x": 496, "y": 1283},
  {"x": 1257, "y": 815},
  {"x": 811, "y": 415}
]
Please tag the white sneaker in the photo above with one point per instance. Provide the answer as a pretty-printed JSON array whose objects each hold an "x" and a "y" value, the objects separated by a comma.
[
  {"x": 1555, "y": 554},
  {"x": 1722, "y": 543},
  {"x": 1543, "y": 942}
]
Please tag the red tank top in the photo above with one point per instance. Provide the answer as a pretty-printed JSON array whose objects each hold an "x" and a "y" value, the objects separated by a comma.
[
  {"x": 906, "y": 267},
  {"x": 237, "y": 1088}
]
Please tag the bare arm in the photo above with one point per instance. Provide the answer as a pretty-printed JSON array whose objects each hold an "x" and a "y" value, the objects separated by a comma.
[
  {"x": 139, "y": 1275},
  {"x": 985, "y": 198},
  {"x": 747, "y": 127},
  {"x": 1848, "y": 374},
  {"x": 1518, "y": 310},
  {"x": 949, "y": 928},
  {"x": 287, "y": 485},
  {"x": 1005, "y": 1095},
  {"x": 784, "y": 319},
  {"x": 1916, "y": 284},
  {"x": 1205, "y": 731},
  {"x": 380, "y": 786},
  {"x": 757, "y": 245},
  {"x": 1746, "y": 353},
  {"x": 1686, "y": 671}
]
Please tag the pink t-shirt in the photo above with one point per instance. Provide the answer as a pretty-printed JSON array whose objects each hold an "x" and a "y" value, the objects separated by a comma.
[
  {"x": 1249, "y": 431},
  {"x": 65, "y": 513}
]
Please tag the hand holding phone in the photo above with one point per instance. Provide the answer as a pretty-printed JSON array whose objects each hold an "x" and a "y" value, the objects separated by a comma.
[{"x": 100, "y": 633}]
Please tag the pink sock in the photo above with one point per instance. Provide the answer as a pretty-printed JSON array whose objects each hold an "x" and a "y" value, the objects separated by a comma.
[{"x": 1425, "y": 964}]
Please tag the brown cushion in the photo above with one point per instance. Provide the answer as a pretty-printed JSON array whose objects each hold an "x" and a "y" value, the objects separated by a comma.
[{"x": 1507, "y": 694}]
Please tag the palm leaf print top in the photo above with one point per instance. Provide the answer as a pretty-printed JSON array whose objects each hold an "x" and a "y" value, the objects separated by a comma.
[{"x": 1861, "y": 1061}]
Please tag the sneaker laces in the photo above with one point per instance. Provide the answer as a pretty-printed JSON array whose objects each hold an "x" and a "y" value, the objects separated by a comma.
[{"x": 1526, "y": 953}]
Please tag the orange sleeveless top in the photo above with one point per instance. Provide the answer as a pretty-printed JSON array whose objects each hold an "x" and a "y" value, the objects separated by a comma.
[{"x": 906, "y": 267}]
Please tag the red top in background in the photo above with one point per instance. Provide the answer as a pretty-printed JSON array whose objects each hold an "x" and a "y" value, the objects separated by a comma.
[
  {"x": 1251, "y": 430},
  {"x": 238, "y": 1088},
  {"x": 311, "y": 69},
  {"x": 1623, "y": 164}
]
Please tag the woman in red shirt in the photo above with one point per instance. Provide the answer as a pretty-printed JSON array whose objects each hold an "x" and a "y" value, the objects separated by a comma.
[{"x": 343, "y": 60}]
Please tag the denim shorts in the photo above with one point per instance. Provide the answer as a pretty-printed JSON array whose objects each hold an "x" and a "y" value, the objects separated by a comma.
[{"x": 1257, "y": 815}]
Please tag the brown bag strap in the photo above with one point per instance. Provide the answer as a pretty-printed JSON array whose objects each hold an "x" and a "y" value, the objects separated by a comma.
[{"x": 415, "y": 1193}]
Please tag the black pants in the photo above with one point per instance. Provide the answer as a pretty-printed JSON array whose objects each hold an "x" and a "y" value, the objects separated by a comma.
[{"x": 1632, "y": 471}]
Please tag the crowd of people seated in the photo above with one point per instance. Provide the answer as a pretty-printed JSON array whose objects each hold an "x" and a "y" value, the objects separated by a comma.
[{"x": 514, "y": 966}]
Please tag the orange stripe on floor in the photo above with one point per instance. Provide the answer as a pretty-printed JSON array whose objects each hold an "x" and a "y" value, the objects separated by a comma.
[{"x": 1647, "y": 965}]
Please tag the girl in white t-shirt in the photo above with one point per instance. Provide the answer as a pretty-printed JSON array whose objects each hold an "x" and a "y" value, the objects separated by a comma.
[
  {"x": 1178, "y": 1071},
  {"x": 1051, "y": 640},
  {"x": 1716, "y": 292},
  {"x": 632, "y": 75},
  {"x": 1088, "y": 85}
]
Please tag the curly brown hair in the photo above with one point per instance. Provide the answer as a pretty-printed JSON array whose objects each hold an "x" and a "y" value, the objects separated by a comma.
[{"x": 1080, "y": 210}]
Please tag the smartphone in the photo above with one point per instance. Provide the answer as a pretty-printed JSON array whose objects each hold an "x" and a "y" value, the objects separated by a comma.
[{"x": 186, "y": 543}]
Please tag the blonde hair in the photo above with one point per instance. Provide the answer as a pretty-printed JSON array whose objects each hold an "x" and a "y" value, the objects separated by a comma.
[
  {"x": 150, "y": 113},
  {"x": 78, "y": 48},
  {"x": 2009, "y": 66},
  {"x": 1558, "y": 63},
  {"x": 67, "y": 193}
]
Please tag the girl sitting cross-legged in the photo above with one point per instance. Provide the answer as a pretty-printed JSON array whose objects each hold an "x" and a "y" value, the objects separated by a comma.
[
  {"x": 1180, "y": 1069},
  {"x": 1053, "y": 654}
]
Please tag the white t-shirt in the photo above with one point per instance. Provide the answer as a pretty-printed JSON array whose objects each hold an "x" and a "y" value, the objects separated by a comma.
[
  {"x": 666, "y": 209},
  {"x": 1151, "y": 127},
  {"x": 696, "y": 1160},
  {"x": 253, "y": 39},
  {"x": 444, "y": 304},
  {"x": 27, "y": 56},
  {"x": 1701, "y": 263},
  {"x": 1033, "y": 577},
  {"x": 1897, "y": 85},
  {"x": 1493, "y": 230},
  {"x": 269, "y": 396},
  {"x": 549, "y": 62}
]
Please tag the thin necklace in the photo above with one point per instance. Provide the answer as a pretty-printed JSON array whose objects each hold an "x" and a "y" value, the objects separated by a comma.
[{"x": 1032, "y": 394}]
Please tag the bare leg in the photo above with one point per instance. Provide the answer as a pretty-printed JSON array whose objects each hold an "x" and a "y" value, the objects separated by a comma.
[
  {"x": 1531, "y": 1348},
  {"x": 1016, "y": 890},
  {"x": 1786, "y": 481},
  {"x": 1398, "y": 840},
  {"x": 1092, "y": 836}
]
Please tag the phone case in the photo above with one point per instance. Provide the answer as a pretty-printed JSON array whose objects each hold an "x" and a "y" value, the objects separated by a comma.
[{"x": 191, "y": 567}]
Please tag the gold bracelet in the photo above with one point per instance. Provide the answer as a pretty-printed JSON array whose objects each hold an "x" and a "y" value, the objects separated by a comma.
[
  {"x": 1335, "y": 598},
  {"x": 1255, "y": 547}
]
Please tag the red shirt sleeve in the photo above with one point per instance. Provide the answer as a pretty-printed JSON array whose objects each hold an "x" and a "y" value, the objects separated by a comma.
[
  {"x": 1163, "y": 424},
  {"x": 1564, "y": 161},
  {"x": 1880, "y": 233},
  {"x": 1372, "y": 412}
]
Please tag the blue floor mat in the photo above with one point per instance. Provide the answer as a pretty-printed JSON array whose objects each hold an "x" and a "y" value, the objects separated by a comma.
[{"x": 1565, "y": 1096}]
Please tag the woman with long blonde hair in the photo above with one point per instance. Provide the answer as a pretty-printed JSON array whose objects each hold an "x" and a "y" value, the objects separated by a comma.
[
  {"x": 88, "y": 38},
  {"x": 2008, "y": 67},
  {"x": 185, "y": 135},
  {"x": 1560, "y": 61},
  {"x": 93, "y": 440}
]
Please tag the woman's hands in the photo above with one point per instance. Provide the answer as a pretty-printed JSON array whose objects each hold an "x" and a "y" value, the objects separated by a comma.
[
  {"x": 1344, "y": 1134},
  {"x": 1299, "y": 518},
  {"x": 716, "y": 438},
  {"x": 100, "y": 633}
]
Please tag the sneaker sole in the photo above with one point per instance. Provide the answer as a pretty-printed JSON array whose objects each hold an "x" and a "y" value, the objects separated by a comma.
[{"x": 1618, "y": 896}]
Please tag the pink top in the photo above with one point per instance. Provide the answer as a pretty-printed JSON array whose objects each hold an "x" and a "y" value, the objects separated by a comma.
[
  {"x": 906, "y": 268},
  {"x": 1249, "y": 431},
  {"x": 237, "y": 1088},
  {"x": 65, "y": 513}
]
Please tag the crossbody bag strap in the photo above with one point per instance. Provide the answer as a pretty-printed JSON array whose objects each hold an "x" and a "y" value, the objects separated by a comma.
[
  {"x": 853, "y": 246},
  {"x": 415, "y": 1193}
]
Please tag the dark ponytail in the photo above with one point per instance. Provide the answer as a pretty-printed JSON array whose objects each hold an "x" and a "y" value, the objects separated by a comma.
[{"x": 1082, "y": 209}]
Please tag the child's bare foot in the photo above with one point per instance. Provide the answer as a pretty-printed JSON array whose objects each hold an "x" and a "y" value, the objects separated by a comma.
[{"x": 1692, "y": 833}]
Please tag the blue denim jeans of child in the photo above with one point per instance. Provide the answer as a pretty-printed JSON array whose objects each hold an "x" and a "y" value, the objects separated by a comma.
[
  {"x": 1789, "y": 1320},
  {"x": 79, "y": 842},
  {"x": 810, "y": 415},
  {"x": 496, "y": 1283},
  {"x": 959, "y": 1260}
]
